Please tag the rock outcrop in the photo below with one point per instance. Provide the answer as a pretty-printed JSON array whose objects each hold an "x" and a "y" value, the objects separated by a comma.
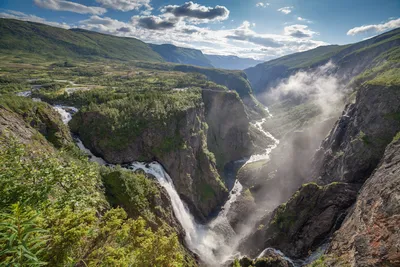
[
  {"x": 301, "y": 224},
  {"x": 370, "y": 234},
  {"x": 182, "y": 143},
  {"x": 228, "y": 134},
  {"x": 180, "y": 146},
  {"x": 24, "y": 124},
  {"x": 359, "y": 138}
]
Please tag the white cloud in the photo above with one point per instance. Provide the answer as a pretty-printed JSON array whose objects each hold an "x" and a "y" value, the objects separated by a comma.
[
  {"x": 60, "y": 5},
  {"x": 11, "y": 14},
  {"x": 285, "y": 10},
  {"x": 375, "y": 28},
  {"x": 125, "y": 5},
  {"x": 196, "y": 13},
  {"x": 298, "y": 31},
  {"x": 304, "y": 20},
  {"x": 241, "y": 41},
  {"x": 261, "y": 4}
]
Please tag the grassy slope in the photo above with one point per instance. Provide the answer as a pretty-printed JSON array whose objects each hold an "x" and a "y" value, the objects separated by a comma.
[
  {"x": 370, "y": 52},
  {"x": 174, "y": 54},
  {"x": 34, "y": 38}
]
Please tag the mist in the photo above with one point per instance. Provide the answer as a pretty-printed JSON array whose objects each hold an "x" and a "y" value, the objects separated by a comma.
[
  {"x": 289, "y": 163},
  {"x": 319, "y": 86}
]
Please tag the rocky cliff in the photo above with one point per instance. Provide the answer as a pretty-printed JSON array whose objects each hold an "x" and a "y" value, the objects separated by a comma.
[
  {"x": 181, "y": 142},
  {"x": 358, "y": 140},
  {"x": 370, "y": 234},
  {"x": 228, "y": 134},
  {"x": 302, "y": 224},
  {"x": 346, "y": 159},
  {"x": 21, "y": 117}
]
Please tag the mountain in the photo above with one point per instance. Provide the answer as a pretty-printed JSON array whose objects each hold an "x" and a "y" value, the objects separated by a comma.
[
  {"x": 232, "y": 62},
  {"x": 175, "y": 54},
  {"x": 50, "y": 42},
  {"x": 350, "y": 60}
]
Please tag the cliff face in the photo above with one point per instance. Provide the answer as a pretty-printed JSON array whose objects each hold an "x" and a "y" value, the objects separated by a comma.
[
  {"x": 23, "y": 122},
  {"x": 228, "y": 134},
  {"x": 370, "y": 234},
  {"x": 182, "y": 144},
  {"x": 301, "y": 224},
  {"x": 345, "y": 160},
  {"x": 358, "y": 140}
]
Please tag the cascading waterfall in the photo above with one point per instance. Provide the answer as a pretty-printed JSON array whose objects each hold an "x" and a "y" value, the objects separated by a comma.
[{"x": 216, "y": 242}]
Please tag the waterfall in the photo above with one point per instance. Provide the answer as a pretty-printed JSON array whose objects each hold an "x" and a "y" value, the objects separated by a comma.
[
  {"x": 65, "y": 112},
  {"x": 216, "y": 242}
]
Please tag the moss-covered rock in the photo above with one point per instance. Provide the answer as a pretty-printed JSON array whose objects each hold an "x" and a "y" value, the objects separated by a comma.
[
  {"x": 37, "y": 115},
  {"x": 169, "y": 129}
]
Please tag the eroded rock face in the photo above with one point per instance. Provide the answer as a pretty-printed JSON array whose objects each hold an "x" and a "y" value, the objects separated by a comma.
[
  {"x": 179, "y": 144},
  {"x": 228, "y": 134},
  {"x": 302, "y": 223},
  {"x": 370, "y": 234},
  {"x": 358, "y": 140},
  {"x": 40, "y": 118}
]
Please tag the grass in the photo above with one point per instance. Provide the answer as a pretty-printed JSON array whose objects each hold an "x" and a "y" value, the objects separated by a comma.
[
  {"x": 396, "y": 137},
  {"x": 56, "y": 43}
]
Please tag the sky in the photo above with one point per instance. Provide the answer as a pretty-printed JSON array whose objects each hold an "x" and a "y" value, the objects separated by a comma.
[{"x": 260, "y": 29}]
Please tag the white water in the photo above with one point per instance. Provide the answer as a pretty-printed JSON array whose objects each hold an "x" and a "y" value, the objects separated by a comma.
[
  {"x": 65, "y": 112},
  {"x": 216, "y": 242},
  {"x": 25, "y": 93},
  {"x": 265, "y": 155}
]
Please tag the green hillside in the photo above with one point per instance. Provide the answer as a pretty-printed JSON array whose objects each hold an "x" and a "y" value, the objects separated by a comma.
[
  {"x": 53, "y": 43},
  {"x": 351, "y": 60},
  {"x": 174, "y": 54}
]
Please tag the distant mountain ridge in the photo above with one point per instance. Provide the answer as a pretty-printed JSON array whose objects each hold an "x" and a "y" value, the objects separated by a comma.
[
  {"x": 57, "y": 43},
  {"x": 232, "y": 62},
  {"x": 350, "y": 60},
  {"x": 175, "y": 54}
]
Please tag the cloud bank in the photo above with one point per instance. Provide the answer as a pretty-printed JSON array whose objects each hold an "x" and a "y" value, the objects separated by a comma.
[
  {"x": 375, "y": 28},
  {"x": 299, "y": 31},
  {"x": 196, "y": 11},
  {"x": 11, "y": 14}
]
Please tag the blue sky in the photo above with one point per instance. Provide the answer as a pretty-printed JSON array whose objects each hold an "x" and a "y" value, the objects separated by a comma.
[{"x": 261, "y": 29}]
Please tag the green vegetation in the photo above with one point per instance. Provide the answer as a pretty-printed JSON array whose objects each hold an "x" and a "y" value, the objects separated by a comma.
[
  {"x": 234, "y": 80},
  {"x": 125, "y": 119},
  {"x": 319, "y": 262},
  {"x": 283, "y": 218},
  {"x": 55, "y": 43},
  {"x": 397, "y": 137},
  {"x": 53, "y": 212},
  {"x": 40, "y": 116},
  {"x": 171, "y": 53},
  {"x": 374, "y": 54}
]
